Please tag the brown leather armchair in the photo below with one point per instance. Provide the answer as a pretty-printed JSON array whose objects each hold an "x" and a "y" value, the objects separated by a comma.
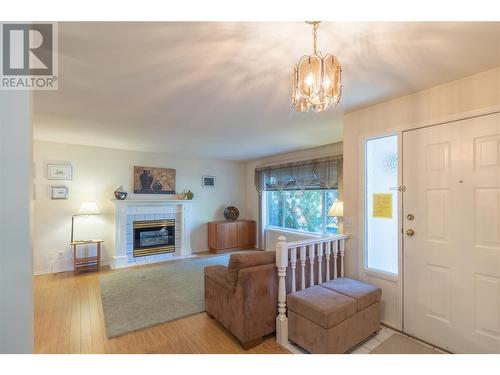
[{"x": 243, "y": 296}]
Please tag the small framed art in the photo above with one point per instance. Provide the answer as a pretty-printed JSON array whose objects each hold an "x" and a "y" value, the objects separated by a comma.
[
  {"x": 58, "y": 192},
  {"x": 208, "y": 181},
  {"x": 59, "y": 172}
]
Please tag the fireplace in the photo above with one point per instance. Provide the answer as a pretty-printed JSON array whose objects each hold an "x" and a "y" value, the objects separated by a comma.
[
  {"x": 153, "y": 237},
  {"x": 133, "y": 210}
]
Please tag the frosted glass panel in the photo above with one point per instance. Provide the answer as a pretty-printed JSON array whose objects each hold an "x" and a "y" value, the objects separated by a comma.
[{"x": 381, "y": 204}]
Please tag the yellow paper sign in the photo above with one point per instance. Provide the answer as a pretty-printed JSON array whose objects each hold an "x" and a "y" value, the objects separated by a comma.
[{"x": 382, "y": 206}]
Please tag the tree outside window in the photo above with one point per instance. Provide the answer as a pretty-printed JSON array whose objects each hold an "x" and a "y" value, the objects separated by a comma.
[{"x": 304, "y": 211}]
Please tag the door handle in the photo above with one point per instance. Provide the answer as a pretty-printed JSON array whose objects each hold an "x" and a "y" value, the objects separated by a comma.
[{"x": 410, "y": 232}]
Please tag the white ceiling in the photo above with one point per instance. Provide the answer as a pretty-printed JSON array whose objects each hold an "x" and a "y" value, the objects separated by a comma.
[{"x": 222, "y": 90}]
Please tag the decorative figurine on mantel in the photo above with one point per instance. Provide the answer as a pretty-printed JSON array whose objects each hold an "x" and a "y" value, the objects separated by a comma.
[
  {"x": 188, "y": 195},
  {"x": 120, "y": 193}
]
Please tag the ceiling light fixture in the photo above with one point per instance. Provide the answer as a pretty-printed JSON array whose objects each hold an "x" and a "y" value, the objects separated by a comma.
[{"x": 316, "y": 80}]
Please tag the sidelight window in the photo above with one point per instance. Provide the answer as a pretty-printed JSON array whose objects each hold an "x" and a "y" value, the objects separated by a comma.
[{"x": 381, "y": 204}]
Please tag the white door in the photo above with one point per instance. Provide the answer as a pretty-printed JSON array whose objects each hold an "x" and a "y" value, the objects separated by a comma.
[{"x": 452, "y": 259}]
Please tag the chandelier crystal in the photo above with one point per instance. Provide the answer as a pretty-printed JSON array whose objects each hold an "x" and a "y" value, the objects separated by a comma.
[{"x": 316, "y": 80}]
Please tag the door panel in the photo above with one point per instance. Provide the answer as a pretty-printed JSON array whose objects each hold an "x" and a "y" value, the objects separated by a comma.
[
  {"x": 480, "y": 148},
  {"x": 486, "y": 217},
  {"x": 487, "y": 291},
  {"x": 452, "y": 262},
  {"x": 439, "y": 292},
  {"x": 429, "y": 157},
  {"x": 438, "y": 215}
]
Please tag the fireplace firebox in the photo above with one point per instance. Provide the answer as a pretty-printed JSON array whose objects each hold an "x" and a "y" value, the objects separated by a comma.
[{"x": 153, "y": 237}]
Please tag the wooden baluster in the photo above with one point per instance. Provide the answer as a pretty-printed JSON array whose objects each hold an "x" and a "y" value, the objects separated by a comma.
[
  {"x": 293, "y": 260},
  {"x": 311, "y": 262},
  {"x": 281, "y": 264},
  {"x": 335, "y": 254},
  {"x": 303, "y": 267},
  {"x": 327, "y": 258},
  {"x": 342, "y": 252},
  {"x": 320, "y": 263}
]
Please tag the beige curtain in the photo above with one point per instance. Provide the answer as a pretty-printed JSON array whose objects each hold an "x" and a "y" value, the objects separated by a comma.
[{"x": 323, "y": 173}]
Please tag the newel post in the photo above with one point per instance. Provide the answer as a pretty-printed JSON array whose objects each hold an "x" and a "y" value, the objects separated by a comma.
[
  {"x": 281, "y": 264},
  {"x": 342, "y": 253}
]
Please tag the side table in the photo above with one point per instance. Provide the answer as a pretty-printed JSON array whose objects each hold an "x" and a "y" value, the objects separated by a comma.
[{"x": 86, "y": 263}]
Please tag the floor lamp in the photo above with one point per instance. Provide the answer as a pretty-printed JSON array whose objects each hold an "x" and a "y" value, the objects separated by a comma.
[{"x": 86, "y": 209}]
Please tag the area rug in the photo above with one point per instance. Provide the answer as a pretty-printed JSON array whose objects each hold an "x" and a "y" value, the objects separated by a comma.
[
  {"x": 143, "y": 297},
  {"x": 399, "y": 344}
]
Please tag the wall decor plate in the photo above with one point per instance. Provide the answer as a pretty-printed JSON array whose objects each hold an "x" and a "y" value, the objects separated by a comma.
[
  {"x": 208, "y": 181},
  {"x": 59, "y": 172}
]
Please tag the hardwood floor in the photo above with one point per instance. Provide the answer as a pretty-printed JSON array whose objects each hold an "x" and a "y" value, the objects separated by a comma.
[{"x": 69, "y": 319}]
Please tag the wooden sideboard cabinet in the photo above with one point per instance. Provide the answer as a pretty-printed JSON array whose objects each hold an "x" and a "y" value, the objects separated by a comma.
[{"x": 231, "y": 235}]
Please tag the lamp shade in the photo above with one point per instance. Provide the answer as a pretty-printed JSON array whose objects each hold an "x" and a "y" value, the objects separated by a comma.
[
  {"x": 88, "y": 208},
  {"x": 337, "y": 209}
]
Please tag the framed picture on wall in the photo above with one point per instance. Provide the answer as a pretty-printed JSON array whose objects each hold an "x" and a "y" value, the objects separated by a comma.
[
  {"x": 58, "y": 192},
  {"x": 59, "y": 172},
  {"x": 154, "y": 180},
  {"x": 208, "y": 181}
]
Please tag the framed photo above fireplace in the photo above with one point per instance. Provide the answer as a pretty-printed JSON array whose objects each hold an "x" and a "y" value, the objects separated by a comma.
[{"x": 153, "y": 180}]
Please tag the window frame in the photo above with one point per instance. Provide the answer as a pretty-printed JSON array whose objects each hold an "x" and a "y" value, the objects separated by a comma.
[{"x": 297, "y": 231}]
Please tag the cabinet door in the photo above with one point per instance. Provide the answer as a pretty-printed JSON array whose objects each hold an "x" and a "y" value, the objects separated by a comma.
[
  {"x": 246, "y": 233},
  {"x": 212, "y": 236},
  {"x": 227, "y": 235}
]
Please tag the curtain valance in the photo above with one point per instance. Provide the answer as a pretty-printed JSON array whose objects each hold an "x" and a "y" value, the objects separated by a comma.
[{"x": 321, "y": 173}]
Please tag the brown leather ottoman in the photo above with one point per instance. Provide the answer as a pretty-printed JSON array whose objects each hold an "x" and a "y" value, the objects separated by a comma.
[{"x": 333, "y": 317}]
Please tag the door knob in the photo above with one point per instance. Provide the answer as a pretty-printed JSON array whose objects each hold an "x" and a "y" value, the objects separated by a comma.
[
  {"x": 410, "y": 217},
  {"x": 410, "y": 232}
]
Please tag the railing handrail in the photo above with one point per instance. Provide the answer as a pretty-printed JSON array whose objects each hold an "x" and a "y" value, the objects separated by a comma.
[{"x": 314, "y": 241}]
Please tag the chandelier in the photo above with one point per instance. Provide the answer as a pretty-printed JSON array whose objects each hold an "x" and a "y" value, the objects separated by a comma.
[{"x": 316, "y": 80}]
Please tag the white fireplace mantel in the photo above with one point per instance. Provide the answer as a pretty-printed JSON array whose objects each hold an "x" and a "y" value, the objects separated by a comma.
[{"x": 129, "y": 210}]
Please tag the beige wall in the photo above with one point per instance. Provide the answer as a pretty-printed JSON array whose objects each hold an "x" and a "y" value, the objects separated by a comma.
[
  {"x": 252, "y": 197},
  {"x": 440, "y": 103},
  {"x": 97, "y": 172},
  {"x": 16, "y": 264}
]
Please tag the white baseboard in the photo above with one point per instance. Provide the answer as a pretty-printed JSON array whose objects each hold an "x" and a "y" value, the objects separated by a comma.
[
  {"x": 55, "y": 270},
  {"x": 69, "y": 267},
  {"x": 201, "y": 251},
  {"x": 65, "y": 268}
]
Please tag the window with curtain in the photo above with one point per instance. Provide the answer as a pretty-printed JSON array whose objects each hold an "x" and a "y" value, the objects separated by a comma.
[{"x": 297, "y": 196}]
